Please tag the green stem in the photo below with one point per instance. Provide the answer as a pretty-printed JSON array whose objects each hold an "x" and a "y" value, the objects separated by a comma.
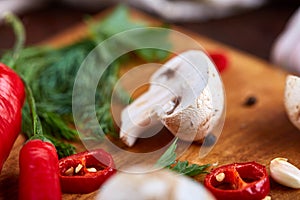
[
  {"x": 18, "y": 29},
  {"x": 36, "y": 123}
]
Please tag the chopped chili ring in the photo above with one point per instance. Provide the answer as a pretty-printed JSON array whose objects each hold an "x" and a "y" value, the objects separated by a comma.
[
  {"x": 220, "y": 59},
  {"x": 247, "y": 181},
  {"x": 85, "y": 172}
]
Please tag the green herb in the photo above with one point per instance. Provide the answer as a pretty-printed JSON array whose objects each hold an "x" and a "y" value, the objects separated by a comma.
[
  {"x": 183, "y": 167},
  {"x": 168, "y": 160},
  {"x": 50, "y": 73},
  {"x": 63, "y": 148},
  {"x": 169, "y": 157}
]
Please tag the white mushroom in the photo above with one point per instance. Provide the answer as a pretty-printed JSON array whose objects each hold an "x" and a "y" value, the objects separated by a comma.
[
  {"x": 157, "y": 185},
  {"x": 186, "y": 95},
  {"x": 292, "y": 99}
]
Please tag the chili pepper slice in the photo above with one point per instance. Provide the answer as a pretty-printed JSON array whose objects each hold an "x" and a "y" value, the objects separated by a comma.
[
  {"x": 12, "y": 96},
  {"x": 86, "y": 171},
  {"x": 247, "y": 181}
]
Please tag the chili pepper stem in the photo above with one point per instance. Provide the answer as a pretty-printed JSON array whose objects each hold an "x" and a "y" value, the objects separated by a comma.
[
  {"x": 37, "y": 158},
  {"x": 18, "y": 29},
  {"x": 36, "y": 123}
]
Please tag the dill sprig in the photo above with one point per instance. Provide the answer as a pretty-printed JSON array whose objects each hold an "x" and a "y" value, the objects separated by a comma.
[{"x": 50, "y": 73}]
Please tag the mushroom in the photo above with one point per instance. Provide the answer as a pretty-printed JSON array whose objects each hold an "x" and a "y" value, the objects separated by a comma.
[
  {"x": 292, "y": 99},
  {"x": 186, "y": 95},
  {"x": 161, "y": 184}
]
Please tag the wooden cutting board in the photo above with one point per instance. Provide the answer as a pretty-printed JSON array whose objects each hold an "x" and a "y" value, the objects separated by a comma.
[{"x": 251, "y": 133}]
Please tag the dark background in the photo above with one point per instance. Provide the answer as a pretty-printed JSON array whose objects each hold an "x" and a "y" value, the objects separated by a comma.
[{"x": 252, "y": 31}]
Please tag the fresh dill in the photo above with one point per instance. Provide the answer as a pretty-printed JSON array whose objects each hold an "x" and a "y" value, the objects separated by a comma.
[{"x": 50, "y": 73}]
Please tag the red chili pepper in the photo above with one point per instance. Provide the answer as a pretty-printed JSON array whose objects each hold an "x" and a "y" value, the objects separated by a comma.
[
  {"x": 220, "y": 60},
  {"x": 12, "y": 96},
  {"x": 86, "y": 171},
  {"x": 38, "y": 163},
  {"x": 247, "y": 181}
]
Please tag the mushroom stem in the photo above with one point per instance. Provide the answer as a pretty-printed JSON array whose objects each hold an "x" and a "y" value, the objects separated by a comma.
[{"x": 144, "y": 113}]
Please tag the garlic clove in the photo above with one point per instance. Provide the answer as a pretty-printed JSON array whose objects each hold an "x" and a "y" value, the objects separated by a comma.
[
  {"x": 292, "y": 99},
  {"x": 285, "y": 173}
]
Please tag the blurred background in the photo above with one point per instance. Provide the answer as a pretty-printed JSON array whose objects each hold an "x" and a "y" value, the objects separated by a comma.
[{"x": 253, "y": 30}]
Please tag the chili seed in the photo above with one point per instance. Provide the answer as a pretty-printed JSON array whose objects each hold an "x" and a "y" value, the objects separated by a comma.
[
  {"x": 70, "y": 171},
  {"x": 250, "y": 101},
  {"x": 220, "y": 177},
  {"x": 92, "y": 169},
  {"x": 78, "y": 168},
  {"x": 267, "y": 198}
]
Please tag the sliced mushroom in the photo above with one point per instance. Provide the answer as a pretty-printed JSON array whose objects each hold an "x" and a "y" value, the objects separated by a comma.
[
  {"x": 156, "y": 185},
  {"x": 186, "y": 95},
  {"x": 292, "y": 99}
]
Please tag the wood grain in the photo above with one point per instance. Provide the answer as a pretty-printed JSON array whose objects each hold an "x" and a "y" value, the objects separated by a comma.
[{"x": 251, "y": 133}]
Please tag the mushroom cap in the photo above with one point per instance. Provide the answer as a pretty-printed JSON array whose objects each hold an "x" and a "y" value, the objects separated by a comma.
[
  {"x": 203, "y": 99},
  {"x": 158, "y": 185},
  {"x": 192, "y": 123},
  {"x": 292, "y": 99}
]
